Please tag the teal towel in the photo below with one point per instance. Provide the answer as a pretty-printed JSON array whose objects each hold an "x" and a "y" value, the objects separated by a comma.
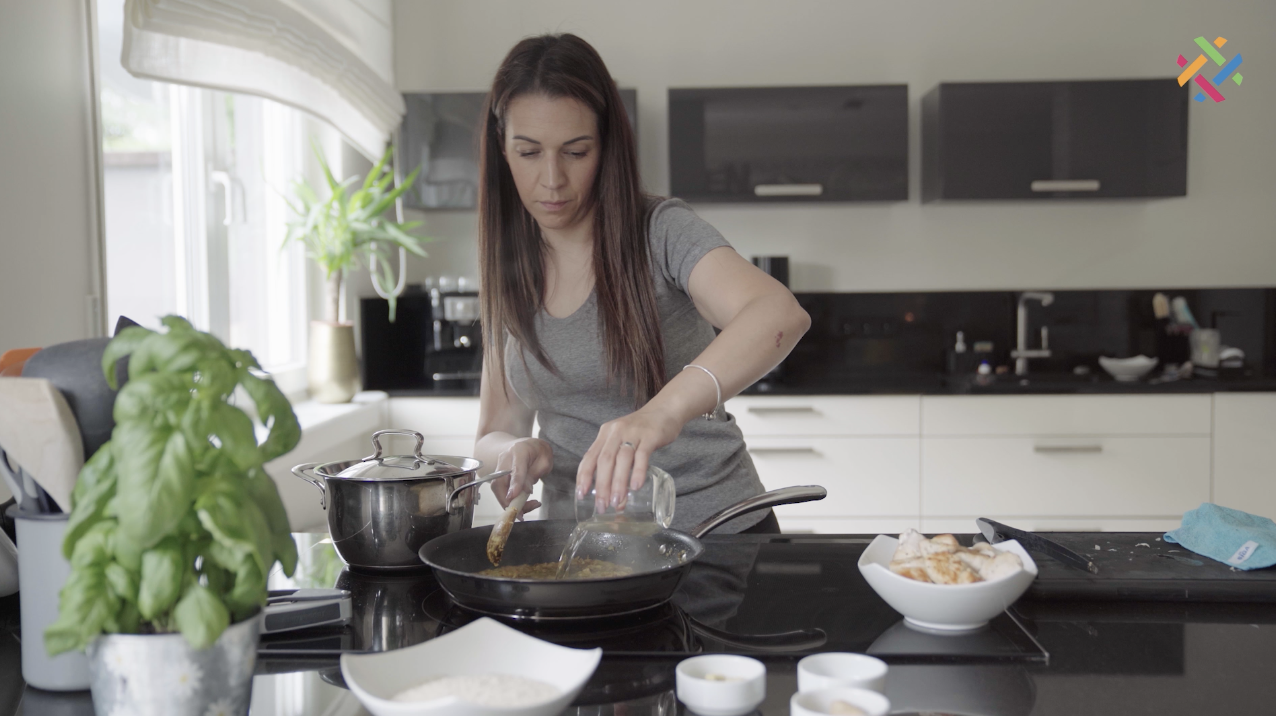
[{"x": 1232, "y": 537}]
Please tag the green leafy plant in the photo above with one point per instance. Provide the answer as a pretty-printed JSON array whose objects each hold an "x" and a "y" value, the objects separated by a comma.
[
  {"x": 341, "y": 231},
  {"x": 175, "y": 525}
]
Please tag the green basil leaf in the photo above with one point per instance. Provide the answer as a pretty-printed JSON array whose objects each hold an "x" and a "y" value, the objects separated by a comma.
[
  {"x": 265, "y": 494},
  {"x": 217, "y": 376},
  {"x": 161, "y": 584},
  {"x": 236, "y": 523},
  {"x": 201, "y": 617},
  {"x": 128, "y": 552},
  {"x": 249, "y": 592},
  {"x": 94, "y": 549},
  {"x": 122, "y": 345},
  {"x": 156, "y": 480},
  {"x": 234, "y": 430},
  {"x": 84, "y": 606},
  {"x": 122, "y": 582},
  {"x": 93, "y": 492},
  {"x": 276, "y": 413},
  {"x": 125, "y": 621},
  {"x": 152, "y": 399},
  {"x": 178, "y": 351}
]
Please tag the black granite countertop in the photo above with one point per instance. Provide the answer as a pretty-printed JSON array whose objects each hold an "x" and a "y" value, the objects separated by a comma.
[
  {"x": 939, "y": 384},
  {"x": 1092, "y": 658}
]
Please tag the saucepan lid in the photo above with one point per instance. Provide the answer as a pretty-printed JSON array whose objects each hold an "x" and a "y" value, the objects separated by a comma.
[{"x": 378, "y": 466}]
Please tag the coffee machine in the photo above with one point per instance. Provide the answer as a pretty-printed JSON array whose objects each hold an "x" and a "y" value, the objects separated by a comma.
[
  {"x": 454, "y": 355},
  {"x": 435, "y": 342}
]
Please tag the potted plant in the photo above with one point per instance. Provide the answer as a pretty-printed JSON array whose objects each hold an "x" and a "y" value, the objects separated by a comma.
[
  {"x": 175, "y": 527},
  {"x": 340, "y": 233}
]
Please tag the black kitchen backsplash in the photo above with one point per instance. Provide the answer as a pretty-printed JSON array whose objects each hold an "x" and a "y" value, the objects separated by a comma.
[{"x": 879, "y": 340}]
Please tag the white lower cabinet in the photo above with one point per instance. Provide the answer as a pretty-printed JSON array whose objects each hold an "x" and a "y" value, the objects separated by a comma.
[
  {"x": 1245, "y": 452},
  {"x": 1096, "y": 482},
  {"x": 868, "y": 479}
]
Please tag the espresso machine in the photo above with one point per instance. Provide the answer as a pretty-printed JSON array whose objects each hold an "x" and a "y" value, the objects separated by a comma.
[{"x": 435, "y": 343}]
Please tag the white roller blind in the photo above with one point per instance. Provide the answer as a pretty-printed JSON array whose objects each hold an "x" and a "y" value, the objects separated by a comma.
[{"x": 332, "y": 58}]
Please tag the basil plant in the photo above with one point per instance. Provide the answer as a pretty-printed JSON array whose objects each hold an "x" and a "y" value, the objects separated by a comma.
[{"x": 175, "y": 525}]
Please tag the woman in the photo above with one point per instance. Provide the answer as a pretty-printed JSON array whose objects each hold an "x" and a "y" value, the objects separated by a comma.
[{"x": 594, "y": 298}]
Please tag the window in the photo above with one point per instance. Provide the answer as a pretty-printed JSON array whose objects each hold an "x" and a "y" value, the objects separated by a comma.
[{"x": 194, "y": 184}]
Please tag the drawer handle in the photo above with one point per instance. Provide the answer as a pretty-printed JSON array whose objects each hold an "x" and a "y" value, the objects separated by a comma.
[
  {"x": 788, "y": 190},
  {"x": 780, "y": 409},
  {"x": 1084, "y": 448},
  {"x": 1065, "y": 185},
  {"x": 784, "y": 451}
]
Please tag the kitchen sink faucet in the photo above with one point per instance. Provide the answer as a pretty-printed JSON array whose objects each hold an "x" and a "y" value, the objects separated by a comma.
[{"x": 1022, "y": 353}]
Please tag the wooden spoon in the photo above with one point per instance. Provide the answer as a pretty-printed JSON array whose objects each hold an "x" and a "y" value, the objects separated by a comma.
[{"x": 501, "y": 530}]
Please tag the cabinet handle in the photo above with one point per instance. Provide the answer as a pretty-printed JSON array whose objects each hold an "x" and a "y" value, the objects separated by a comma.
[
  {"x": 1087, "y": 447},
  {"x": 1065, "y": 185},
  {"x": 788, "y": 190},
  {"x": 780, "y": 409},
  {"x": 784, "y": 450}
]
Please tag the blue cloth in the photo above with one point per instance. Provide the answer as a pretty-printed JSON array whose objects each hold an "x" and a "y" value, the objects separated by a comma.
[{"x": 1235, "y": 538}]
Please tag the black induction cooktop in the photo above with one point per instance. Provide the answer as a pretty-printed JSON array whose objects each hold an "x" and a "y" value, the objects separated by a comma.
[{"x": 748, "y": 594}]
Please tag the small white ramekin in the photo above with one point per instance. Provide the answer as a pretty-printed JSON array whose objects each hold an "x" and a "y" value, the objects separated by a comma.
[
  {"x": 743, "y": 692},
  {"x": 823, "y": 671},
  {"x": 818, "y": 703}
]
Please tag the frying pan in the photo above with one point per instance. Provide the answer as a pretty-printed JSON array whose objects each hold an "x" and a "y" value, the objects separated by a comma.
[{"x": 660, "y": 562}]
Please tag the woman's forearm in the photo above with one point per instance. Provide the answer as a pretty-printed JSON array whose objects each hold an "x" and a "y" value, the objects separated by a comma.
[{"x": 760, "y": 336}]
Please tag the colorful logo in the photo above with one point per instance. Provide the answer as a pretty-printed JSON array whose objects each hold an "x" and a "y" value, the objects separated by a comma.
[{"x": 1207, "y": 87}]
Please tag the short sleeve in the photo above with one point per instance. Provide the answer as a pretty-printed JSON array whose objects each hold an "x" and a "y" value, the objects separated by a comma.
[{"x": 679, "y": 239}]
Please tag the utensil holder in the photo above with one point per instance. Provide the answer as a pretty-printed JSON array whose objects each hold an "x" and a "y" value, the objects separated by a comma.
[{"x": 42, "y": 570}]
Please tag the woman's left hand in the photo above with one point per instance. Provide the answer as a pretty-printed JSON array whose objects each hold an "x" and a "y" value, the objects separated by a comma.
[{"x": 617, "y": 461}]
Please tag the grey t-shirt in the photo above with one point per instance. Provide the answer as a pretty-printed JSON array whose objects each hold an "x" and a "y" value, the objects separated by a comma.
[{"x": 708, "y": 461}]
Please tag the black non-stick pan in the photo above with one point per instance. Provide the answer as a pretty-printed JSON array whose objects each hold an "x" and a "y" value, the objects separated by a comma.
[{"x": 660, "y": 562}]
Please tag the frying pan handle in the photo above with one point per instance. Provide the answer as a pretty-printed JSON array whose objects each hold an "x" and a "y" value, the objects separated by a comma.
[
  {"x": 782, "y": 496},
  {"x": 494, "y": 476},
  {"x": 306, "y": 472},
  {"x": 800, "y": 640}
]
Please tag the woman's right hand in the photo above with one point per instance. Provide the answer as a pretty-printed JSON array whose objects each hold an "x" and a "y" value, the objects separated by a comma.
[{"x": 529, "y": 459}]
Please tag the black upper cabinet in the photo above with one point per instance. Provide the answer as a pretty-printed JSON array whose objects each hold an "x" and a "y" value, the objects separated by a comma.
[
  {"x": 1035, "y": 140},
  {"x": 769, "y": 144},
  {"x": 440, "y": 135}
]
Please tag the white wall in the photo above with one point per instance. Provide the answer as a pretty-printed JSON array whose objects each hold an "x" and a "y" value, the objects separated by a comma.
[
  {"x": 48, "y": 212},
  {"x": 1222, "y": 234}
]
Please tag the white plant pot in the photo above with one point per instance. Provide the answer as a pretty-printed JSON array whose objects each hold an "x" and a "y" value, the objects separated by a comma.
[{"x": 162, "y": 675}]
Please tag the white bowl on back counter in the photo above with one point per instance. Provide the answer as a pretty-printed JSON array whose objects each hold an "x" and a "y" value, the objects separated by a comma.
[
  {"x": 478, "y": 657},
  {"x": 1127, "y": 370},
  {"x": 948, "y": 607}
]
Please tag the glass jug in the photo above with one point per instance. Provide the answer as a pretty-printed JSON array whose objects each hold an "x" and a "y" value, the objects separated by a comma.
[{"x": 652, "y": 503}]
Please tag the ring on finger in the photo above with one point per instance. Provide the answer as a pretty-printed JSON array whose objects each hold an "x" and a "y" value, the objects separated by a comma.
[{"x": 626, "y": 444}]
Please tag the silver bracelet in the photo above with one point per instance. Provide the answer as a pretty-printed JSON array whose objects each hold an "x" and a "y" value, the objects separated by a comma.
[{"x": 717, "y": 413}]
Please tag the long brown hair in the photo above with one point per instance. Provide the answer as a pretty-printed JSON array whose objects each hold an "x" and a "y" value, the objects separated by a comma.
[{"x": 511, "y": 248}]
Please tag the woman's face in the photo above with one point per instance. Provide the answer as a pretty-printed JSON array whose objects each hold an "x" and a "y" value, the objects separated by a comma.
[{"x": 552, "y": 147}]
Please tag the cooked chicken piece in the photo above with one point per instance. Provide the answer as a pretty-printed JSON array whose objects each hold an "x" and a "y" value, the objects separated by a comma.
[
  {"x": 985, "y": 549},
  {"x": 949, "y": 569},
  {"x": 914, "y": 568},
  {"x": 943, "y": 544},
  {"x": 975, "y": 560},
  {"x": 1004, "y": 564},
  {"x": 910, "y": 545}
]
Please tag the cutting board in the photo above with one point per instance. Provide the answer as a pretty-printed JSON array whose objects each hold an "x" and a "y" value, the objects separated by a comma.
[{"x": 1142, "y": 566}]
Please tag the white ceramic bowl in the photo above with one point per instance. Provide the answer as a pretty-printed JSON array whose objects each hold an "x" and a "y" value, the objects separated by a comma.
[
  {"x": 944, "y": 606},
  {"x": 481, "y": 647},
  {"x": 823, "y": 671},
  {"x": 817, "y": 703},
  {"x": 1127, "y": 369},
  {"x": 742, "y": 694}
]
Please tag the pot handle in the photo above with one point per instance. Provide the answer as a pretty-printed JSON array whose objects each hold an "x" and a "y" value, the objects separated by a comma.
[
  {"x": 306, "y": 472},
  {"x": 494, "y": 476},
  {"x": 782, "y": 496}
]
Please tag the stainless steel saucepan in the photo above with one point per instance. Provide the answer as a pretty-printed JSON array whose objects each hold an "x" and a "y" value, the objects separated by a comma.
[{"x": 383, "y": 508}]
